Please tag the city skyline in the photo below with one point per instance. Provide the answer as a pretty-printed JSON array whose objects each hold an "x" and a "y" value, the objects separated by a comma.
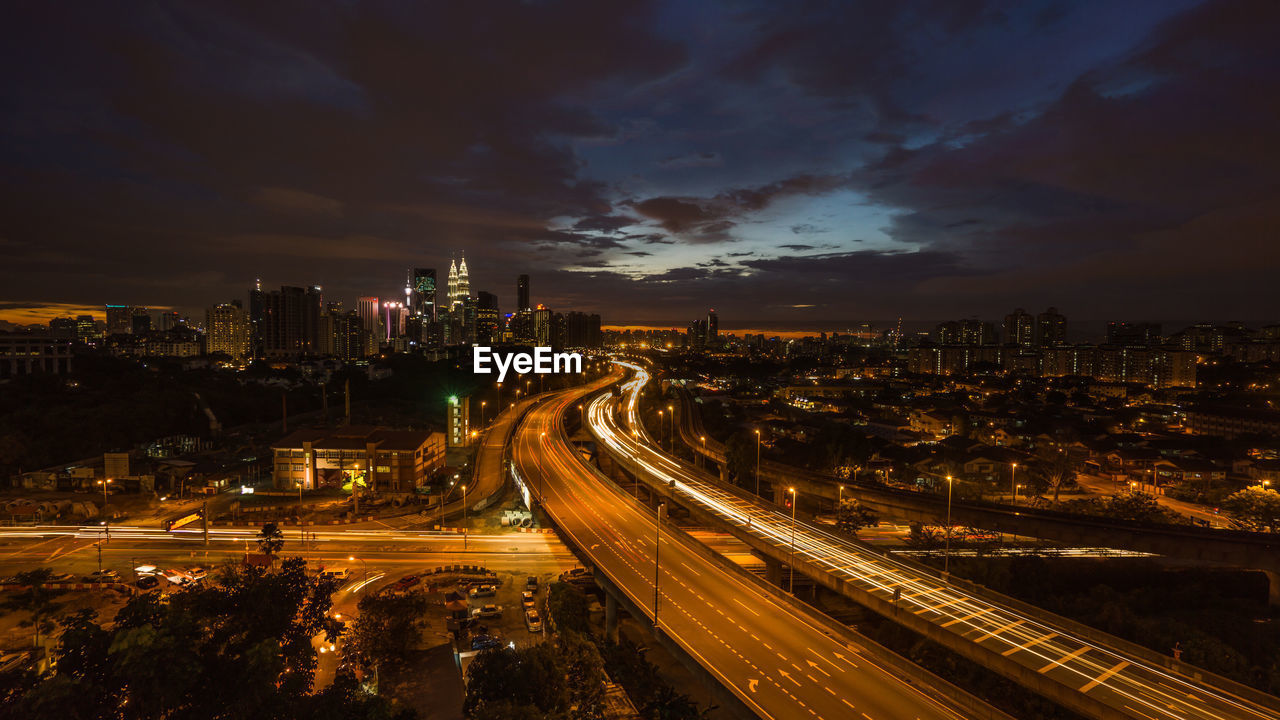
[{"x": 652, "y": 159}]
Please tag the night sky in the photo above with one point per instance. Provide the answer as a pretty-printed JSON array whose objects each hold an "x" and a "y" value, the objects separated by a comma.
[{"x": 790, "y": 164}]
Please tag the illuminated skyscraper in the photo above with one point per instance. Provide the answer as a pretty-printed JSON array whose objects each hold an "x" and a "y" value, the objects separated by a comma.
[
  {"x": 486, "y": 318},
  {"x": 422, "y": 293},
  {"x": 459, "y": 285}
]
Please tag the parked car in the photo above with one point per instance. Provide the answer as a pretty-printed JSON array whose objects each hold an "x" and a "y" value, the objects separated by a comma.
[
  {"x": 531, "y": 584},
  {"x": 146, "y": 582},
  {"x": 487, "y": 611},
  {"x": 406, "y": 582},
  {"x": 197, "y": 573},
  {"x": 339, "y": 573},
  {"x": 480, "y": 591},
  {"x": 533, "y": 620},
  {"x": 484, "y": 642},
  {"x": 177, "y": 577},
  {"x": 102, "y": 576},
  {"x": 527, "y": 600},
  {"x": 62, "y": 578}
]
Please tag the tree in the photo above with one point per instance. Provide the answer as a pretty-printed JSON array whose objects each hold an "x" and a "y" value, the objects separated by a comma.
[
  {"x": 35, "y": 599},
  {"x": 740, "y": 453},
  {"x": 922, "y": 537},
  {"x": 252, "y": 632},
  {"x": 388, "y": 627},
  {"x": 852, "y": 516},
  {"x": 1254, "y": 508},
  {"x": 523, "y": 677},
  {"x": 271, "y": 541},
  {"x": 1055, "y": 473}
]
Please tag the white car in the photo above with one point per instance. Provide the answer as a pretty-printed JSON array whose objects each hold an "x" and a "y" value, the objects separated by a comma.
[
  {"x": 103, "y": 576},
  {"x": 197, "y": 573},
  {"x": 533, "y": 620},
  {"x": 487, "y": 611}
]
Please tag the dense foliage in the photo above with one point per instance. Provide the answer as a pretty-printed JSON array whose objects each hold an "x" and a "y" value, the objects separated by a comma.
[{"x": 237, "y": 649}]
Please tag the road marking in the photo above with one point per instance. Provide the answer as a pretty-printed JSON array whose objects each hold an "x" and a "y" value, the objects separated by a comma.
[
  {"x": 817, "y": 667},
  {"x": 846, "y": 702},
  {"x": 695, "y": 572},
  {"x": 1029, "y": 643},
  {"x": 1103, "y": 677},
  {"x": 748, "y": 608},
  {"x": 997, "y": 631},
  {"x": 752, "y": 683},
  {"x": 937, "y": 608},
  {"x": 1066, "y": 658},
  {"x": 967, "y": 617}
]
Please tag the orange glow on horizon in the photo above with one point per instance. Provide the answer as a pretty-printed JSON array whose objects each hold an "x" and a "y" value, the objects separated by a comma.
[{"x": 788, "y": 334}]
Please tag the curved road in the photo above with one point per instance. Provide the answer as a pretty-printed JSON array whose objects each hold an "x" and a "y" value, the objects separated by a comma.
[{"x": 776, "y": 660}]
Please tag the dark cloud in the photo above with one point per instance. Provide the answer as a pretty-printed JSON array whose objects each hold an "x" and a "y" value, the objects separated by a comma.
[{"x": 694, "y": 160}]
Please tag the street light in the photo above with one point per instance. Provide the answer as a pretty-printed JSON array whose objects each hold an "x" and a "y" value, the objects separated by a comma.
[
  {"x": 542, "y": 440},
  {"x": 791, "y": 579},
  {"x": 946, "y": 560},
  {"x": 1013, "y": 480},
  {"x": 364, "y": 566},
  {"x": 482, "y": 415},
  {"x": 840, "y": 502},
  {"x": 672, "y": 436},
  {"x": 464, "y": 516},
  {"x": 757, "y": 462},
  {"x": 104, "y": 482}
]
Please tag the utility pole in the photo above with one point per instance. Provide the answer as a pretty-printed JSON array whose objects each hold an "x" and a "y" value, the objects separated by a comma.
[
  {"x": 946, "y": 560},
  {"x": 204, "y": 517}
]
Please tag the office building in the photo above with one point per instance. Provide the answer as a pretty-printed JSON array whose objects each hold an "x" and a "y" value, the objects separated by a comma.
[
  {"x": 522, "y": 293},
  {"x": 965, "y": 332},
  {"x": 713, "y": 328},
  {"x": 486, "y": 318},
  {"x": 1133, "y": 333},
  {"x": 582, "y": 330},
  {"x": 377, "y": 458},
  {"x": 542, "y": 326},
  {"x": 422, "y": 293},
  {"x": 119, "y": 319}
]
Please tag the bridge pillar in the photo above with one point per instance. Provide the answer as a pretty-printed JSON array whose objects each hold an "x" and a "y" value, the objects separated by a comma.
[
  {"x": 611, "y": 616},
  {"x": 724, "y": 473},
  {"x": 1273, "y": 587},
  {"x": 773, "y": 571},
  {"x": 780, "y": 495}
]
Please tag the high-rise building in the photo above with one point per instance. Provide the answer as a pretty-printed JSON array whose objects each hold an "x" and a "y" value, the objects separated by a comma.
[
  {"x": 459, "y": 284},
  {"x": 713, "y": 328},
  {"x": 1135, "y": 333},
  {"x": 1019, "y": 328},
  {"x": 522, "y": 293},
  {"x": 522, "y": 330},
  {"x": 582, "y": 330},
  {"x": 422, "y": 293},
  {"x": 369, "y": 311},
  {"x": 257, "y": 317},
  {"x": 312, "y": 308},
  {"x": 141, "y": 321},
  {"x": 169, "y": 320},
  {"x": 1051, "y": 328},
  {"x": 486, "y": 318},
  {"x": 227, "y": 330},
  {"x": 969, "y": 331},
  {"x": 542, "y": 326},
  {"x": 86, "y": 328},
  {"x": 349, "y": 336},
  {"x": 284, "y": 323},
  {"x": 119, "y": 319}
]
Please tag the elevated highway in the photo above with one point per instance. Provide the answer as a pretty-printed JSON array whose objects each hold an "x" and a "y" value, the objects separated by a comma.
[
  {"x": 1094, "y": 674},
  {"x": 778, "y": 660},
  {"x": 1259, "y": 551}
]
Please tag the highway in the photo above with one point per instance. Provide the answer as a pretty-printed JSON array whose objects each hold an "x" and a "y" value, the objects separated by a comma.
[
  {"x": 1124, "y": 683},
  {"x": 778, "y": 661}
]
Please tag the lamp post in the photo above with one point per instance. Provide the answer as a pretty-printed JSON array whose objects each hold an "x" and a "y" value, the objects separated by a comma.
[
  {"x": 659, "y": 429},
  {"x": 542, "y": 439},
  {"x": 104, "y": 482},
  {"x": 657, "y": 543},
  {"x": 302, "y": 534},
  {"x": 839, "y": 503},
  {"x": 363, "y": 565},
  {"x": 482, "y": 414},
  {"x": 672, "y": 446},
  {"x": 946, "y": 559},
  {"x": 757, "y": 462},
  {"x": 1013, "y": 480},
  {"x": 464, "y": 516},
  {"x": 791, "y": 576}
]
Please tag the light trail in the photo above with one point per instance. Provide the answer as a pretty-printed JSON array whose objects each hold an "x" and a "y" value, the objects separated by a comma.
[{"x": 1087, "y": 665}]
